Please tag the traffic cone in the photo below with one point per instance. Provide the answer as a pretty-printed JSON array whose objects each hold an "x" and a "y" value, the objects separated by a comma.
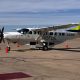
[
  {"x": 18, "y": 45},
  {"x": 6, "y": 50},
  {"x": 66, "y": 46}
]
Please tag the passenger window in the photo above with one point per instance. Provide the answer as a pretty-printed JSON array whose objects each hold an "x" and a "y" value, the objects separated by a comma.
[
  {"x": 51, "y": 33},
  {"x": 68, "y": 34},
  {"x": 34, "y": 32},
  {"x": 72, "y": 34},
  {"x": 63, "y": 34},
  {"x": 55, "y": 33},
  {"x": 60, "y": 34},
  {"x": 38, "y": 32},
  {"x": 30, "y": 32}
]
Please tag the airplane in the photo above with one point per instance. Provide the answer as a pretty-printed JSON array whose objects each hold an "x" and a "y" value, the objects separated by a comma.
[{"x": 43, "y": 38}]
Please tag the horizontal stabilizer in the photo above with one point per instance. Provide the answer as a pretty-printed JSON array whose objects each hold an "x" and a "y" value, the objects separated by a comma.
[{"x": 74, "y": 29}]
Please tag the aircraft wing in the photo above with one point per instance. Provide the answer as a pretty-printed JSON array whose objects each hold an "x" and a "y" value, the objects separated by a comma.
[{"x": 46, "y": 29}]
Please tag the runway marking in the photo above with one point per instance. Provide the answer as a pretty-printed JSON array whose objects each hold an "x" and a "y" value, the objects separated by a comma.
[{"x": 15, "y": 75}]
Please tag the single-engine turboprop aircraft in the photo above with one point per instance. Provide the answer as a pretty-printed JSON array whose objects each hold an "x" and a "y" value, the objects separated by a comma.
[{"x": 44, "y": 38}]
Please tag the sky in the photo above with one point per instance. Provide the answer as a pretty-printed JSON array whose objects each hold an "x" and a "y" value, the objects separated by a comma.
[{"x": 39, "y": 12}]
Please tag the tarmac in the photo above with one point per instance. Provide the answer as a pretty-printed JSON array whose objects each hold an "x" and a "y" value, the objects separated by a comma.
[{"x": 22, "y": 63}]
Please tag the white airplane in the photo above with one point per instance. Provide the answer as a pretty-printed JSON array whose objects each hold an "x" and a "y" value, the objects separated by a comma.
[{"x": 44, "y": 38}]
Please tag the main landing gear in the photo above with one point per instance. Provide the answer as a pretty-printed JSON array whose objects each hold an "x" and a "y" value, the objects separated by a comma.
[
  {"x": 45, "y": 46},
  {"x": 9, "y": 48}
]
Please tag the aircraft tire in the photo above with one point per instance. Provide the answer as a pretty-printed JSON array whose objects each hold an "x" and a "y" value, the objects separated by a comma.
[{"x": 45, "y": 48}]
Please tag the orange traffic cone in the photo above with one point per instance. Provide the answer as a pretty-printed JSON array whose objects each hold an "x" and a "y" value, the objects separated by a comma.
[
  {"x": 66, "y": 46},
  {"x": 6, "y": 50},
  {"x": 18, "y": 45}
]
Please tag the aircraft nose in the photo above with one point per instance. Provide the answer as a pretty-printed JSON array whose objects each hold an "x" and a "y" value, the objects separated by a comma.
[
  {"x": 6, "y": 36},
  {"x": 12, "y": 36}
]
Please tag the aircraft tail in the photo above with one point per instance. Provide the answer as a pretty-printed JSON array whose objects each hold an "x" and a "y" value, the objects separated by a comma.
[{"x": 74, "y": 29}]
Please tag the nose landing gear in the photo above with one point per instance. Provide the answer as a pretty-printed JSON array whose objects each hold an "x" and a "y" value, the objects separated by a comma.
[{"x": 9, "y": 48}]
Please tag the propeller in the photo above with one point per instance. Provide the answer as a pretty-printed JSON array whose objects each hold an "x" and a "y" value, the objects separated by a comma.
[{"x": 2, "y": 35}]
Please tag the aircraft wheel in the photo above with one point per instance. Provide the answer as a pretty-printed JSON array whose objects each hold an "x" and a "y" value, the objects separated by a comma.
[{"x": 45, "y": 48}]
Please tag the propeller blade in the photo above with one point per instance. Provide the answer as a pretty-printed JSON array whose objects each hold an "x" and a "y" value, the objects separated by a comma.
[
  {"x": 1, "y": 35},
  {"x": 2, "y": 29},
  {"x": 3, "y": 40},
  {"x": 0, "y": 32}
]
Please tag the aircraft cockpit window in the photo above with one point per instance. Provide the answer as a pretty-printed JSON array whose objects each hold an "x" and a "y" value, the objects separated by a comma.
[{"x": 23, "y": 31}]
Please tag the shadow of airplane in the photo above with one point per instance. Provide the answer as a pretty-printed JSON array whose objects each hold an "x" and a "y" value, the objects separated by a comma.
[
  {"x": 67, "y": 49},
  {"x": 24, "y": 50},
  {"x": 60, "y": 49}
]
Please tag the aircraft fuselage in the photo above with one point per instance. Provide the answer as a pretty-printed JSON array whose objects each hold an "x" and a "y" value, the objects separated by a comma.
[{"x": 51, "y": 37}]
